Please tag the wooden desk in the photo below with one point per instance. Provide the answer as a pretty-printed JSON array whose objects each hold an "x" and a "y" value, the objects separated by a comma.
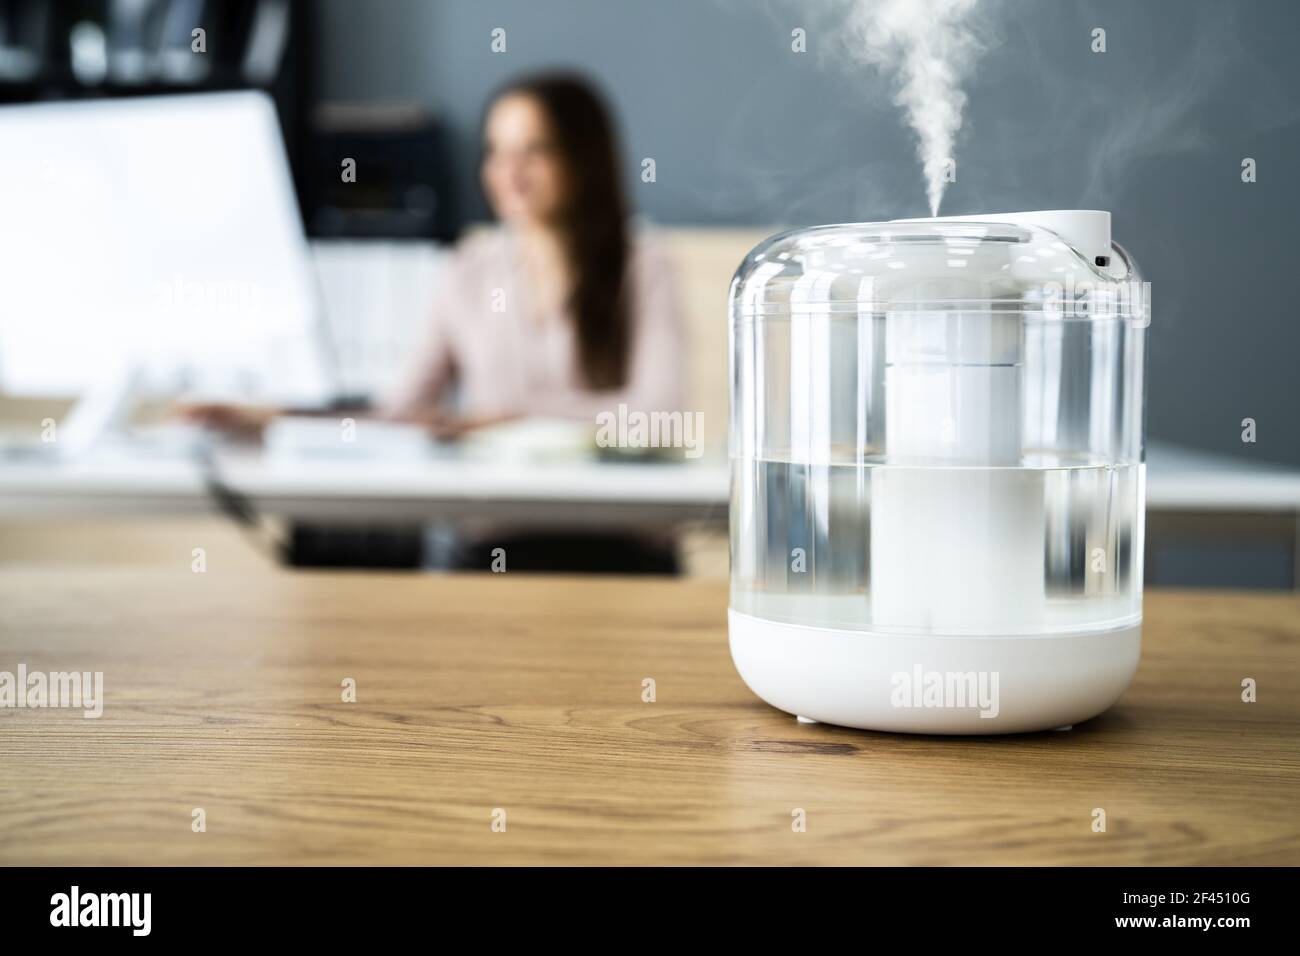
[
  {"x": 583, "y": 492},
  {"x": 503, "y": 691}
]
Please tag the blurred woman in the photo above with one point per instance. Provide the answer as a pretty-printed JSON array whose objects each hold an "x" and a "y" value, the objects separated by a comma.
[{"x": 561, "y": 310}]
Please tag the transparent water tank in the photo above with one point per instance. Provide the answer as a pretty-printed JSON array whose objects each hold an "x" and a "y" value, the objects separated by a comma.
[{"x": 937, "y": 472}]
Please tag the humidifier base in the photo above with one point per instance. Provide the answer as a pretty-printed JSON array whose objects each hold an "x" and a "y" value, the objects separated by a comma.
[{"x": 934, "y": 685}]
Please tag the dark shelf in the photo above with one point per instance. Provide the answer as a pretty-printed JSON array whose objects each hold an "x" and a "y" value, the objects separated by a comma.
[{"x": 45, "y": 30}]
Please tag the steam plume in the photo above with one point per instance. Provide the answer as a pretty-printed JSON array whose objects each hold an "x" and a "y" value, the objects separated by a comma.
[{"x": 930, "y": 47}]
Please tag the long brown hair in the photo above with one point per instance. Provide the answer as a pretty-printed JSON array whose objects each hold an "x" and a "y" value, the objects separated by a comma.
[{"x": 592, "y": 222}]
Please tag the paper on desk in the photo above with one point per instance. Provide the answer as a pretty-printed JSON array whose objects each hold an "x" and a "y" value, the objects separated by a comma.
[{"x": 532, "y": 439}]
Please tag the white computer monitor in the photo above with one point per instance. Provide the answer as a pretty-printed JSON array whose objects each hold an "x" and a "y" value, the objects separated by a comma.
[{"x": 159, "y": 234}]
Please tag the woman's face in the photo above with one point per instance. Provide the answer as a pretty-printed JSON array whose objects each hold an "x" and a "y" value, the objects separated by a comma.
[{"x": 522, "y": 172}]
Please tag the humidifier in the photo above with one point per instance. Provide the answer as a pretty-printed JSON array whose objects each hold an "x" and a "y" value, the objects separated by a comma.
[{"x": 937, "y": 472}]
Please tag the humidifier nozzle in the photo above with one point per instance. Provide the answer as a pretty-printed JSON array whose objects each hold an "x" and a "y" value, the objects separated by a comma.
[{"x": 1087, "y": 230}]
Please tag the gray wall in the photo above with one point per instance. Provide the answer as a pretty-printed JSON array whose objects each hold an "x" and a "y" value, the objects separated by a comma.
[{"x": 743, "y": 131}]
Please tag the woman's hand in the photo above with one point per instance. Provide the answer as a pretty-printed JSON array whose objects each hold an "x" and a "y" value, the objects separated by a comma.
[
  {"x": 249, "y": 421},
  {"x": 243, "y": 420},
  {"x": 447, "y": 427}
]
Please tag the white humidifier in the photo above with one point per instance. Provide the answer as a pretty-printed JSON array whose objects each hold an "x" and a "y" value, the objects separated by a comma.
[{"x": 937, "y": 472}]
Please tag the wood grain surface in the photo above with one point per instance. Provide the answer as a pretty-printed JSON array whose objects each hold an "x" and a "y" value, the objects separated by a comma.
[{"x": 524, "y": 694}]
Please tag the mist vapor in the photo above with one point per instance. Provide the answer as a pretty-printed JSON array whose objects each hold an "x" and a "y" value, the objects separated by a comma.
[{"x": 930, "y": 47}]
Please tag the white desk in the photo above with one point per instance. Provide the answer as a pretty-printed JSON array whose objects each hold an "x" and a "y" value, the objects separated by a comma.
[
  {"x": 574, "y": 493},
  {"x": 571, "y": 494},
  {"x": 1183, "y": 479}
]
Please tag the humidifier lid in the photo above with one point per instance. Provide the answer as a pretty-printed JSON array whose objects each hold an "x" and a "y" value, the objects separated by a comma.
[{"x": 970, "y": 265}]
